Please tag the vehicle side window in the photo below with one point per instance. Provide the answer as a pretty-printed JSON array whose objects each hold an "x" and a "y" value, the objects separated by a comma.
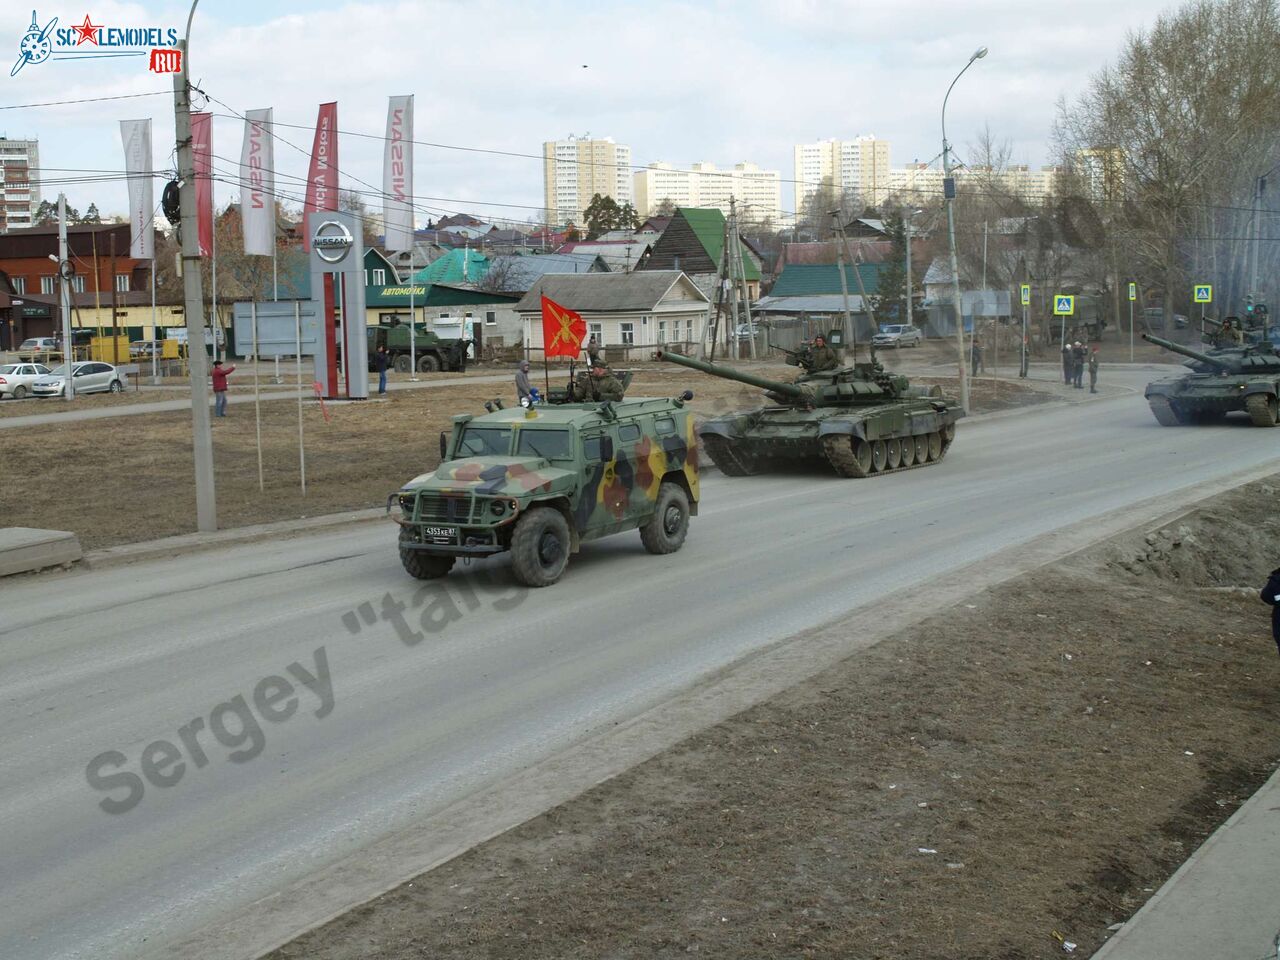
[
  {"x": 592, "y": 449},
  {"x": 628, "y": 433},
  {"x": 665, "y": 426}
]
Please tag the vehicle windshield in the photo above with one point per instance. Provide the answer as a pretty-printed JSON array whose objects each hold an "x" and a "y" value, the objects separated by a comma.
[
  {"x": 59, "y": 371},
  {"x": 891, "y": 328},
  {"x": 551, "y": 444},
  {"x": 485, "y": 442}
]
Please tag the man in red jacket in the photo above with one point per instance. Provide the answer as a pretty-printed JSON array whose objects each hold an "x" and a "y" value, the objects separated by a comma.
[{"x": 219, "y": 373}]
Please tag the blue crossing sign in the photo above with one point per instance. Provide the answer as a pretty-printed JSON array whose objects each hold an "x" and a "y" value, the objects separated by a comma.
[
  {"x": 1063, "y": 305},
  {"x": 1203, "y": 293},
  {"x": 1026, "y": 294}
]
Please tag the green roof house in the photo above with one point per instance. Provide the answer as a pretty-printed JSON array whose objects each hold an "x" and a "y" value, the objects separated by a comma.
[{"x": 694, "y": 244}]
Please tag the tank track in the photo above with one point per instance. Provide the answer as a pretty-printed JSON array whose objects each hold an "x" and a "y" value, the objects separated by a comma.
[
  {"x": 838, "y": 449},
  {"x": 1259, "y": 407},
  {"x": 1164, "y": 412},
  {"x": 726, "y": 458}
]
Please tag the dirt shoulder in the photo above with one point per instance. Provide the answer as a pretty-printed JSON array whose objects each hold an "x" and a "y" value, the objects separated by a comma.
[
  {"x": 125, "y": 479},
  {"x": 1025, "y": 766}
]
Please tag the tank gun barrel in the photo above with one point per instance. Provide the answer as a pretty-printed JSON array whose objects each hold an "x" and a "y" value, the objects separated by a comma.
[
  {"x": 1186, "y": 351},
  {"x": 728, "y": 373}
]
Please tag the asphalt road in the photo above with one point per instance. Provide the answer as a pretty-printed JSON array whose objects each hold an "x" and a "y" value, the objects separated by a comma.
[{"x": 382, "y": 731}]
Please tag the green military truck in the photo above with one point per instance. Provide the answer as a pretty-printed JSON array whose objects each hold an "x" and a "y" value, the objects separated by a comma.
[
  {"x": 538, "y": 482},
  {"x": 433, "y": 352}
]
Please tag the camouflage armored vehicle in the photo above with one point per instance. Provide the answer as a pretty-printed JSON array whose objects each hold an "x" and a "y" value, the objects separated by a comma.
[
  {"x": 540, "y": 481},
  {"x": 431, "y": 352},
  {"x": 1220, "y": 381},
  {"x": 862, "y": 420}
]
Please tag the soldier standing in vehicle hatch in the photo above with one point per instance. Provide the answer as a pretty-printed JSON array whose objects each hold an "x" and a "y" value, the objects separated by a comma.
[{"x": 822, "y": 357}]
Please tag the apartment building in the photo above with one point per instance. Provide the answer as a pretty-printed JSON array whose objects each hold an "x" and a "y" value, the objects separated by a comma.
[
  {"x": 860, "y": 165},
  {"x": 19, "y": 183},
  {"x": 922, "y": 183},
  {"x": 577, "y": 168},
  {"x": 756, "y": 193}
]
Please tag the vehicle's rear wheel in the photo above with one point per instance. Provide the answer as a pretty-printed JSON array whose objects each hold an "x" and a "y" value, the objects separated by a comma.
[
  {"x": 935, "y": 446},
  {"x": 19, "y": 392},
  {"x": 540, "y": 547},
  {"x": 401, "y": 363},
  {"x": 666, "y": 531},
  {"x": 921, "y": 442},
  {"x": 116, "y": 386},
  {"x": 908, "y": 451},
  {"x": 1262, "y": 410},
  {"x": 428, "y": 363},
  {"x": 878, "y": 455},
  {"x": 424, "y": 566}
]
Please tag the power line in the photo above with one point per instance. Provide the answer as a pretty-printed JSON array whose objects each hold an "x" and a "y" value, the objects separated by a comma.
[{"x": 59, "y": 103}]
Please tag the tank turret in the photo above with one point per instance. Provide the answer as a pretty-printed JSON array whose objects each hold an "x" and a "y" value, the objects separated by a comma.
[{"x": 861, "y": 420}]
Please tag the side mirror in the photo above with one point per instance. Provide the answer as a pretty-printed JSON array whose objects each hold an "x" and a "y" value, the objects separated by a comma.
[
  {"x": 444, "y": 445},
  {"x": 606, "y": 449}
]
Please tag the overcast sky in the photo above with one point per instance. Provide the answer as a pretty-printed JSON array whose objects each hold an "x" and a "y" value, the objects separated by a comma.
[{"x": 681, "y": 82}]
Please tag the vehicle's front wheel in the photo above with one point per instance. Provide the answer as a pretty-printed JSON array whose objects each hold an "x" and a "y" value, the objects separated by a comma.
[
  {"x": 666, "y": 530},
  {"x": 540, "y": 547},
  {"x": 401, "y": 364},
  {"x": 424, "y": 566}
]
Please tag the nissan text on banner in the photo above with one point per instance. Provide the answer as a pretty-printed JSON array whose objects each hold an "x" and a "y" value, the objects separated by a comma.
[
  {"x": 202, "y": 147},
  {"x": 258, "y": 184},
  {"x": 397, "y": 174},
  {"x": 322, "y": 178},
  {"x": 136, "y": 135}
]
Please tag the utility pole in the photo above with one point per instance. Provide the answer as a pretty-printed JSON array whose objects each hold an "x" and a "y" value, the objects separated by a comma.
[
  {"x": 730, "y": 328},
  {"x": 736, "y": 254},
  {"x": 844, "y": 285},
  {"x": 1259, "y": 188},
  {"x": 201, "y": 435},
  {"x": 910, "y": 316},
  {"x": 862, "y": 292},
  {"x": 115, "y": 317},
  {"x": 64, "y": 298}
]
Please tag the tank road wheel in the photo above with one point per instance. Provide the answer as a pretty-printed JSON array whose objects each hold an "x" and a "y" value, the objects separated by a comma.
[
  {"x": 848, "y": 456},
  {"x": 935, "y": 446},
  {"x": 540, "y": 547},
  {"x": 908, "y": 451},
  {"x": 424, "y": 566},
  {"x": 1164, "y": 411},
  {"x": 666, "y": 531},
  {"x": 879, "y": 455},
  {"x": 731, "y": 461},
  {"x": 893, "y": 453},
  {"x": 428, "y": 363},
  {"x": 1262, "y": 409},
  {"x": 401, "y": 363},
  {"x": 921, "y": 442}
]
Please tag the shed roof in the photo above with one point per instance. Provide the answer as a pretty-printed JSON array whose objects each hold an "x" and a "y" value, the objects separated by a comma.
[
  {"x": 807, "y": 279},
  {"x": 607, "y": 292}
]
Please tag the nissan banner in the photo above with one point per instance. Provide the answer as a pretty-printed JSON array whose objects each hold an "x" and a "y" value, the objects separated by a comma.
[
  {"x": 136, "y": 135},
  {"x": 397, "y": 174},
  {"x": 258, "y": 184},
  {"x": 322, "y": 178}
]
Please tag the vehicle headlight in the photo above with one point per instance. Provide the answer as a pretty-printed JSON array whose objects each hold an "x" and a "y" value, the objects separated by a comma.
[
  {"x": 498, "y": 507},
  {"x": 406, "y": 503}
]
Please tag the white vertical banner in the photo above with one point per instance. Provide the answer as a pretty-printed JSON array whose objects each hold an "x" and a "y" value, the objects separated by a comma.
[
  {"x": 136, "y": 135},
  {"x": 258, "y": 184},
  {"x": 397, "y": 174}
]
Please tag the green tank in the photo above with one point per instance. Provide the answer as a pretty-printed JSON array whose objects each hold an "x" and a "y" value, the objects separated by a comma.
[
  {"x": 862, "y": 420},
  {"x": 1221, "y": 381}
]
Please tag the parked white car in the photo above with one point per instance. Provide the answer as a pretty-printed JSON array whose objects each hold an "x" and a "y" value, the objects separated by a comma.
[
  {"x": 16, "y": 378},
  {"x": 39, "y": 348},
  {"x": 90, "y": 377},
  {"x": 897, "y": 335}
]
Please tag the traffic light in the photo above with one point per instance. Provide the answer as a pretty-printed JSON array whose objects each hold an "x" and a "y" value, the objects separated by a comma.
[{"x": 1248, "y": 305}]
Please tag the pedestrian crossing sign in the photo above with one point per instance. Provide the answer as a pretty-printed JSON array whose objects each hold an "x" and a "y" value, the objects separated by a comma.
[
  {"x": 1203, "y": 293},
  {"x": 1026, "y": 294},
  {"x": 1063, "y": 305},
  {"x": 1133, "y": 292}
]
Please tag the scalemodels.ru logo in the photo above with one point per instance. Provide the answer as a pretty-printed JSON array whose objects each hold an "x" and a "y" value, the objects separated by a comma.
[{"x": 89, "y": 40}]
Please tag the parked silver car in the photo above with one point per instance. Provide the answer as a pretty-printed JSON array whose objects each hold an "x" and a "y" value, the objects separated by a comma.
[
  {"x": 897, "y": 335},
  {"x": 90, "y": 377},
  {"x": 16, "y": 378},
  {"x": 39, "y": 348}
]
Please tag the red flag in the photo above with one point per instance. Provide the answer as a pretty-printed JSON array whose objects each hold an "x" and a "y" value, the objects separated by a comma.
[
  {"x": 562, "y": 330},
  {"x": 202, "y": 147},
  {"x": 322, "y": 179}
]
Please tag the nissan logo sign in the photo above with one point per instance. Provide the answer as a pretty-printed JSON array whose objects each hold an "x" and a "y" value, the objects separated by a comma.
[{"x": 331, "y": 242}]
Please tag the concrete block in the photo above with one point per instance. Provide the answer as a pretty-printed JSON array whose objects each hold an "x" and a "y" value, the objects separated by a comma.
[{"x": 23, "y": 549}]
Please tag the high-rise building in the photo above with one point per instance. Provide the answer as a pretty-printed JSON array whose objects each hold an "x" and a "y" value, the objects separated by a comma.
[
  {"x": 860, "y": 166},
  {"x": 1102, "y": 169},
  {"x": 922, "y": 183},
  {"x": 757, "y": 194},
  {"x": 19, "y": 182},
  {"x": 577, "y": 168}
]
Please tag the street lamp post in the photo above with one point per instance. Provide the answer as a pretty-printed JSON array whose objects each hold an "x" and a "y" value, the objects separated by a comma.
[
  {"x": 949, "y": 197},
  {"x": 909, "y": 230}
]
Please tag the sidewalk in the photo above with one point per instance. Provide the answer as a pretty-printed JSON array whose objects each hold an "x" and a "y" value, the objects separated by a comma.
[{"x": 1222, "y": 902}]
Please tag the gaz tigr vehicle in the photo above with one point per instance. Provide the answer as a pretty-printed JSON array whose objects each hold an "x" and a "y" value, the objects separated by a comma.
[
  {"x": 540, "y": 481},
  {"x": 1221, "y": 381},
  {"x": 861, "y": 420}
]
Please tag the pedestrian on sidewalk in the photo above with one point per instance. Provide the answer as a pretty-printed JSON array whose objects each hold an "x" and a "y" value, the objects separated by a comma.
[
  {"x": 1093, "y": 371},
  {"x": 219, "y": 374},
  {"x": 1271, "y": 596},
  {"x": 1066, "y": 363},
  {"x": 1077, "y": 365},
  {"x": 975, "y": 358},
  {"x": 524, "y": 389},
  {"x": 381, "y": 360}
]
